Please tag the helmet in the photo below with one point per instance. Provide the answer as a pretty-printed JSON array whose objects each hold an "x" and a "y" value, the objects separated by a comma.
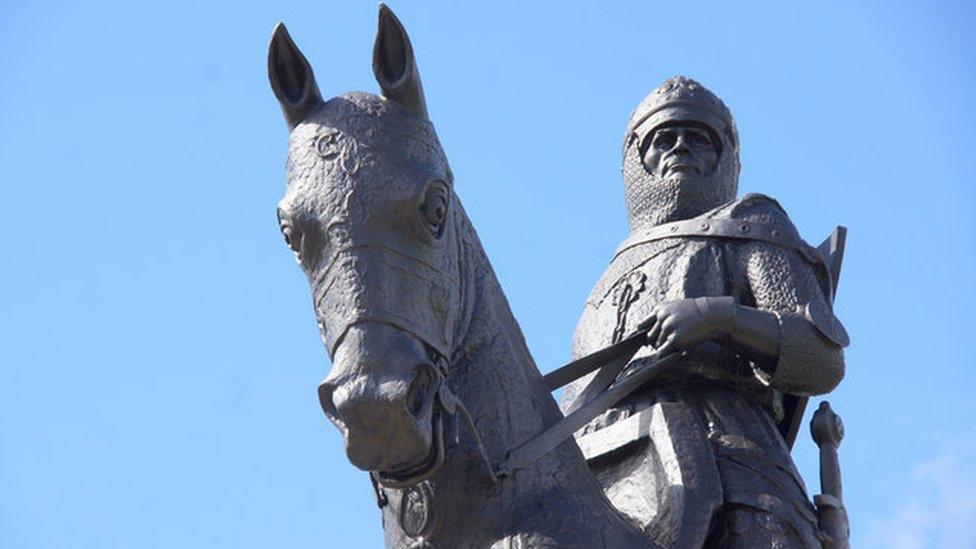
[{"x": 652, "y": 200}]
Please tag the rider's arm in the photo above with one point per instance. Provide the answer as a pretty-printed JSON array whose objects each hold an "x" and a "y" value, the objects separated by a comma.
[{"x": 790, "y": 302}]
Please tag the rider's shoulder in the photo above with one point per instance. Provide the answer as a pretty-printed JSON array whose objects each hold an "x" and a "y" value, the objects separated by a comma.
[
  {"x": 758, "y": 209},
  {"x": 752, "y": 207}
]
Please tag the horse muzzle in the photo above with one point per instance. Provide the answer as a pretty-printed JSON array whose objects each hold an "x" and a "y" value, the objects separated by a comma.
[{"x": 382, "y": 395}]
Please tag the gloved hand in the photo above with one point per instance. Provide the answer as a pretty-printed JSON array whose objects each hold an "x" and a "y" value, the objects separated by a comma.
[{"x": 683, "y": 323}]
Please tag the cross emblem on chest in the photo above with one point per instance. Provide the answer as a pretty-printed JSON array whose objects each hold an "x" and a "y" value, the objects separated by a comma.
[{"x": 623, "y": 296}]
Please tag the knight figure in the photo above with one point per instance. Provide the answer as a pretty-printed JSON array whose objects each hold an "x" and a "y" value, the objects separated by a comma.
[{"x": 701, "y": 455}]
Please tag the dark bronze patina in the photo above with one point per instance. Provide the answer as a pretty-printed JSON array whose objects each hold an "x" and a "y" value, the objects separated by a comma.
[
  {"x": 431, "y": 378},
  {"x": 695, "y": 353},
  {"x": 700, "y": 456}
]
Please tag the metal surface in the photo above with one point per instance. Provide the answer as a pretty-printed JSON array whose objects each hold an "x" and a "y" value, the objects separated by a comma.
[
  {"x": 721, "y": 228},
  {"x": 732, "y": 285},
  {"x": 828, "y": 431},
  {"x": 832, "y": 252},
  {"x": 431, "y": 382},
  {"x": 430, "y": 374}
]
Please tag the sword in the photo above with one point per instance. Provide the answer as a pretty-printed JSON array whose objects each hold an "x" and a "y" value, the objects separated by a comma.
[{"x": 828, "y": 430}]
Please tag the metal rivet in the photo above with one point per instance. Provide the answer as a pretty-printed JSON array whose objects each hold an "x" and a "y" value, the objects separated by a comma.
[
  {"x": 674, "y": 228},
  {"x": 744, "y": 228},
  {"x": 704, "y": 226},
  {"x": 775, "y": 232}
]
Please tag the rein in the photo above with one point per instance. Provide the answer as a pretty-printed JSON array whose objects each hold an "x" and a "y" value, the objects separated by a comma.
[
  {"x": 452, "y": 405},
  {"x": 607, "y": 388}
]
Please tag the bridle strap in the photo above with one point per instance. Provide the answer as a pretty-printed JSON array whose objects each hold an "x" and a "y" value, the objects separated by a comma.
[
  {"x": 580, "y": 367},
  {"x": 594, "y": 400},
  {"x": 453, "y": 405},
  {"x": 528, "y": 453}
]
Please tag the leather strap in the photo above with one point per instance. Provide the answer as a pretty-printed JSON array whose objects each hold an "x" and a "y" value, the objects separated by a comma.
[
  {"x": 603, "y": 379},
  {"x": 535, "y": 448},
  {"x": 592, "y": 402},
  {"x": 721, "y": 228},
  {"x": 584, "y": 365}
]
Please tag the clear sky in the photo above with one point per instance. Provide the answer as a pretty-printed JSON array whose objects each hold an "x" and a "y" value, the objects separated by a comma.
[{"x": 158, "y": 354}]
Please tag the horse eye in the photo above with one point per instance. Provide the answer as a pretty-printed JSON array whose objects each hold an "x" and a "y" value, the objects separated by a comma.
[
  {"x": 433, "y": 208},
  {"x": 293, "y": 237}
]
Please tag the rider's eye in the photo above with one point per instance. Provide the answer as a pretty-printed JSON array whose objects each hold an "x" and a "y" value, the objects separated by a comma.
[
  {"x": 700, "y": 141},
  {"x": 664, "y": 140},
  {"x": 432, "y": 209}
]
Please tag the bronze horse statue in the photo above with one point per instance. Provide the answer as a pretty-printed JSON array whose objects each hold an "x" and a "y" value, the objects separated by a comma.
[{"x": 431, "y": 379}]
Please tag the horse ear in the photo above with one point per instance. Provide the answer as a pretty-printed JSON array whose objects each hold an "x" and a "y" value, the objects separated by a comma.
[
  {"x": 394, "y": 65},
  {"x": 291, "y": 77}
]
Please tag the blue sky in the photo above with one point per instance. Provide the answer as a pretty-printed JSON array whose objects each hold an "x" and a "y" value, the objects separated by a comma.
[{"x": 158, "y": 355}]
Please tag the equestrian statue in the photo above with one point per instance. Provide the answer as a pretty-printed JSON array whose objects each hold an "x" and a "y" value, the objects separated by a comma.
[{"x": 693, "y": 359}]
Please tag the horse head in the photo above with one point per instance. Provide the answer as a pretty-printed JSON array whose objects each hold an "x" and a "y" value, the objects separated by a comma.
[{"x": 368, "y": 212}]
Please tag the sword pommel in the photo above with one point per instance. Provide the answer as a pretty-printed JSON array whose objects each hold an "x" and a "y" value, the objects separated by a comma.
[{"x": 828, "y": 431}]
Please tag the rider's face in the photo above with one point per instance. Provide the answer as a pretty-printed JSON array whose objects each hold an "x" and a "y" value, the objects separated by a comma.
[{"x": 679, "y": 151}]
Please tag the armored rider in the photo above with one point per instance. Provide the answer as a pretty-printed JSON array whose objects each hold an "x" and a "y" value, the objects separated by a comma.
[{"x": 729, "y": 284}]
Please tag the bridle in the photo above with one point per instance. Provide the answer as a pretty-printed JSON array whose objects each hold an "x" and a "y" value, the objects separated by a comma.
[{"x": 611, "y": 384}]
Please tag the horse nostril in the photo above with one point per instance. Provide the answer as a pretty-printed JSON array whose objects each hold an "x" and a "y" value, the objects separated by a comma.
[
  {"x": 326, "y": 392},
  {"x": 421, "y": 390}
]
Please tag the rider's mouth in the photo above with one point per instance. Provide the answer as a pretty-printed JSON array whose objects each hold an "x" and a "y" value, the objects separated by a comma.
[
  {"x": 413, "y": 474},
  {"x": 682, "y": 169}
]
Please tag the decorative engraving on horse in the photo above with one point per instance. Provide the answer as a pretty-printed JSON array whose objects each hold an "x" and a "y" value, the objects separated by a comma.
[
  {"x": 416, "y": 510},
  {"x": 688, "y": 381},
  {"x": 422, "y": 341}
]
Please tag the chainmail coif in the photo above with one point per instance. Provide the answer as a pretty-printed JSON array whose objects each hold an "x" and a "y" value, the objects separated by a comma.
[{"x": 652, "y": 200}]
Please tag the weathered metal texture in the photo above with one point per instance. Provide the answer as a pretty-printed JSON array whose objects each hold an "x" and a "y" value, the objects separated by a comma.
[
  {"x": 420, "y": 334},
  {"x": 828, "y": 431},
  {"x": 432, "y": 384},
  {"x": 692, "y": 246},
  {"x": 832, "y": 252},
  {"x": 655, "y": 196},
  {"x": 666, "y": 487}
]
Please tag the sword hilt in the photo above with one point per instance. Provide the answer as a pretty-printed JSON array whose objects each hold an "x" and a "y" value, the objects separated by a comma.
[{"x": 828, "y": 431}]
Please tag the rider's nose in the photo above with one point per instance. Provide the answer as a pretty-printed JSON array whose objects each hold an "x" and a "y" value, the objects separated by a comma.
[{"x": 681, "y": 144}]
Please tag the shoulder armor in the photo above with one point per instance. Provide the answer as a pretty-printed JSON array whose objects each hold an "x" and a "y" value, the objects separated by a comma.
[
  {"x": 754, "y": 217},
  {"x": 749, "y": 204},
  {"x": 761, "y": 209},
  {"x": 819, "y": 314},
  {"x": 750, "y": 199}
]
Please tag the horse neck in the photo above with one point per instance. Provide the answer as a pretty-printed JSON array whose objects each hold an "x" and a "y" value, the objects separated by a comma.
[
  {"x": 496, "y": 378},
  {"x": 494, "y": 369},
  {"x": 495, "y": 373}
]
